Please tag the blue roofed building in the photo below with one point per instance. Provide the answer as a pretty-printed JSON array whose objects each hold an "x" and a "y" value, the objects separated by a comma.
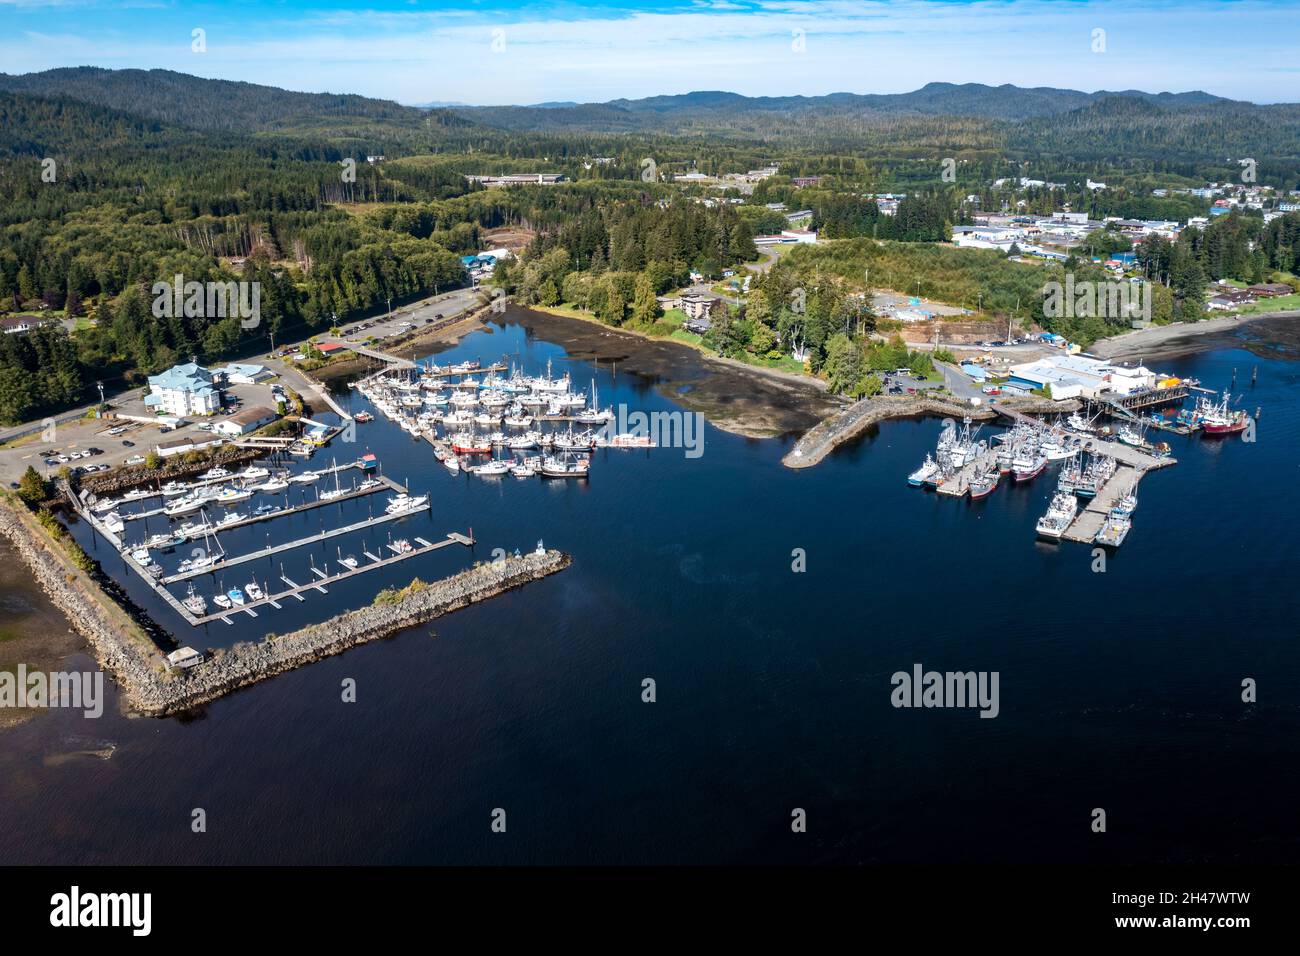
[{"x": 183, "y": 390}]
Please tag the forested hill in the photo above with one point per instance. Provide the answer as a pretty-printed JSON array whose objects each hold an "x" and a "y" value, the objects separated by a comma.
[
  {"x": 675, "y": 113},
  {"x": 183, "y": 100}
]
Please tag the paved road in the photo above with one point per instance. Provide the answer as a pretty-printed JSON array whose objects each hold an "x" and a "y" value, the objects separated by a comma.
[{"x": 80, "y": 433}]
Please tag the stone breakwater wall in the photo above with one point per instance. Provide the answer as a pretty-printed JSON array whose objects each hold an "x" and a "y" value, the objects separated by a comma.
[
  {"x": 152, "y": 688},
  {"x": 821, "y": 439},
  {"x": 246, "y": 664},
  {"x": 121, "y": 479},
  {"x": 121, "y": 645}
]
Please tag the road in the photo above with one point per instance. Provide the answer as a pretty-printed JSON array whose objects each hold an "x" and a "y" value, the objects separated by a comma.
[{"x": 79, "y": 432}]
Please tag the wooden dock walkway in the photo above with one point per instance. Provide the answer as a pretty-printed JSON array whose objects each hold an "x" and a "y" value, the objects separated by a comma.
[
  {"x": 1133, "y": 457},
  {"x": 289, "y": 545},
  {"x": 958, "y": 483},
  {"x": 1083, "y": 529},
  {"x": 319, "y": 584}
]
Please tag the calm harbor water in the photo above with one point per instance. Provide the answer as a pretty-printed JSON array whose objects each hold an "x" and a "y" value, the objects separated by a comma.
[{"x": 1118, "y": 690}]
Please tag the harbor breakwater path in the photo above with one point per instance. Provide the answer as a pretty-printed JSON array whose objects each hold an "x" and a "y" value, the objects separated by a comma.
[
  {"x": 154, "y": 689},
  {"x": 821, "y": 439}
]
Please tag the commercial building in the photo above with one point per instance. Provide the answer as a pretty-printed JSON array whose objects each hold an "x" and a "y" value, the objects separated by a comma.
[
  {"x": 249, "y": 420},
  {"x": 184, "y": 390},
  {"x": 1080, "y": 376}
]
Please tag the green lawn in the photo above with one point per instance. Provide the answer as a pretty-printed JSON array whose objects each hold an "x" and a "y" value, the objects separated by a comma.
[{"x": 1276, "y": 304}]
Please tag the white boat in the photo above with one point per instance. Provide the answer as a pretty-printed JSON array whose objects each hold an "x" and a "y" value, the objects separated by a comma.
[
  {"x": 254, "y": 472},
  {"x": 138, "y": 494},
  {"x": 567, "y": 467},
  {"x": 1113, "y": 531},
  {"x": 174, "y": 488},
  {"x": 349, "y": 562},
  {"x": 522, "y": 470},
  {"x": 452, "y": 463},
  {"x": 402, "y": 546},
  {"x": 141, "y": 556},
  {"x": 329, "y": 494},
  {"x": 272, "y": 485},
  {"x": 368, "y": 484},
  {"x": 212, "y": 473},
  {"x": 1127, "y": 503},
  {"x": 928, "y": 474},
  {"x": 1060, "y": 513},
  {"x": 182, "y": 506},
  {"x": 231, "y": 495},
  {"x": 254, "y": 591},
  {"x": 628, "y": 440},
  {"x": 231, "y": 517},
  {"x": 405, "y": 502},
  {"x": 305, "y": 477},
  {"x": 105, "y": 505},
  {"x": 497, "y": 466},
  {"x": 194, "y": 602},
  {"x": 221, "y": 600}
]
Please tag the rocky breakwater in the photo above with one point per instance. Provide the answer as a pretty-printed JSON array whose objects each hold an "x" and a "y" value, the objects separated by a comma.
[
  {"x": 821, "y": 439},
  {"x": 125, "y": 650},
  {"x": 245, "y": 664}
]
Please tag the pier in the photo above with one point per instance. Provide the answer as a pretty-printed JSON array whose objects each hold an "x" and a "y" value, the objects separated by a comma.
[
  {"x": 1126, "y": 454},
  {"x": 1083, "y": 529},
  {"x": 285, "y": 546},
  {"x": 958, "y": 483},
  {"x": 296, "y": 590}
]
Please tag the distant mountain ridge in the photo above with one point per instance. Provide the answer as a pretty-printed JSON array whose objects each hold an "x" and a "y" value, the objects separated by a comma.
[
  {"x": 1004, "y": 102},
  {"x": 199, "y": 103}
]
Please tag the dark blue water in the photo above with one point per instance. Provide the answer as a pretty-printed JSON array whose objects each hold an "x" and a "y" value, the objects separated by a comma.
[{"x": 1118, "y": 690}]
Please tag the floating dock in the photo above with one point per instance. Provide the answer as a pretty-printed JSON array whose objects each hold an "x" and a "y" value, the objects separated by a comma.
[
  {"x": 1083, "y": 529},
  {"x": 285, "y": 546}
]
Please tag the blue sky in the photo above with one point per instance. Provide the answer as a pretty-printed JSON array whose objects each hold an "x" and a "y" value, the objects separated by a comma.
[{"x": 493, "y": 51}]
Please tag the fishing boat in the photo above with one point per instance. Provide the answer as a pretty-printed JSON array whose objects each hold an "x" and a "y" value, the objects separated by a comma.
[
  {"x": 1071, "y": 473},
  {"x": 568, "y": 441},
  {"x": 463, "y": 443},
  {"x": 1131, "y": 436},
  {"x": 627, "y": 440},
  {"x": 983, "y": 484},
  {"x": 928, "y": 474},
  {"x": 1126, "y": 504},
  {"x": 522, "y": 469},
  {"x": 568, "y": 466},
  {"x": 524, "y": 442},
  {"x": 1113, "y": 531},
  {"x": 194, "y": 602},
  {"x": 1060, "y": 513},
  {"x": 236, "y": 597},
  {"x": 1028, "y": 463},
  {"x": 1219, "y": 419}
]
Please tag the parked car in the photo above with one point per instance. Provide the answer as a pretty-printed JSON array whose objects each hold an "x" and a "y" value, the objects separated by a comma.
[
  {"x": 128, "y": 443},
  {"x": 135, "y": 460}
]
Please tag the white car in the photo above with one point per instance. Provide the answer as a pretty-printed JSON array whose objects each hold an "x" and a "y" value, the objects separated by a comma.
[{"x": 134, "y": 460}]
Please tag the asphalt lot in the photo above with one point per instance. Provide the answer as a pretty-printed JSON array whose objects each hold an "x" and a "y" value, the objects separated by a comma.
[{"x": 80, "y": 434}]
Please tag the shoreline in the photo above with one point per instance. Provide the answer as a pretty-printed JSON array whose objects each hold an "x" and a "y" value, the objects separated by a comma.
[
  {"x": 150, "y": 687},
  {"x": 735, "y": 397},
  {"x": 1177, "y": 337}
]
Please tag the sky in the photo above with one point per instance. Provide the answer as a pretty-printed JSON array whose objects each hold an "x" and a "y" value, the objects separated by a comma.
[{"x": 531, "y": 51}]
